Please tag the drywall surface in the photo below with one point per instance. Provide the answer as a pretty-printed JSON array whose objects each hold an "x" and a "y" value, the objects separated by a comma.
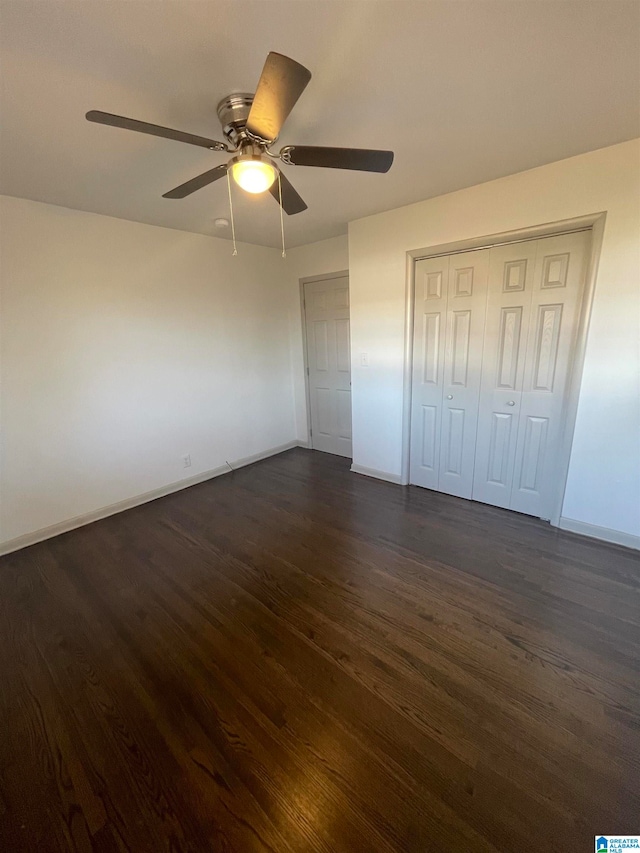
[
  {"x": 125, "y": 347},
  {"x": 603, "y": 487},
  {"x": 314, "y": 259}
]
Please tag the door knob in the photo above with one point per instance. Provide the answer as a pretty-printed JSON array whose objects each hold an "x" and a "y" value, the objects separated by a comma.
[
  {"x": 449, "y": 396},
  {"x": 511, "y": 403}
]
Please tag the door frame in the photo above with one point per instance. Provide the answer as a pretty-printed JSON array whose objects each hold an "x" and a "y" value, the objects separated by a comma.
[
  {"x": 303, "y": 321},
  {"x": 595, "y": 223}
]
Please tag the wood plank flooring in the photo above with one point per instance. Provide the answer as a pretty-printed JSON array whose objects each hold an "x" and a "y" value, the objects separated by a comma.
[{"x": 294, "y": 658}]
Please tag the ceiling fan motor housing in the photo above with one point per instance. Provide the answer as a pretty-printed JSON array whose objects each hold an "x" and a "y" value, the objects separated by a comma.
[{"x": 233, "y": 112}]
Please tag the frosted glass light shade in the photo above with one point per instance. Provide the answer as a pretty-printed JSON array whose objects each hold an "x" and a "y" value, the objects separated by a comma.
[{"x": 254, "y": 176}]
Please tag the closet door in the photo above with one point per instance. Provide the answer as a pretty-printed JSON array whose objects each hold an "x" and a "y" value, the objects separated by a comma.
[
  {"x": 557, "y": 287},
  {"x": 511, "y": 275},
  {"x": 431, "y": 280},
  {"x": 493, "y": 338},
  {"x": 465, "y": 323}
]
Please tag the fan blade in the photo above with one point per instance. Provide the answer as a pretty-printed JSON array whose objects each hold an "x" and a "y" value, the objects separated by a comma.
[
  {"x": 281, "y": 83},
  {"x": 197, "y": 183},
  {"x": 291, "y": 201},
  {"x": 360, "y": 159},
  {"x": 154, "y": 130}
]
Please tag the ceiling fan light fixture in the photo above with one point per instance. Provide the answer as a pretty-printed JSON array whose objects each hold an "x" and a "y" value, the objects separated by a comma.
[
  {"x": 251, "y": 124},
  {"x": 253, "y": 173}
]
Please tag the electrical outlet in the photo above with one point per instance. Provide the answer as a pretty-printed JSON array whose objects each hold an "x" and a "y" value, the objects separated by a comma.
[{"x": 186, "y": 461}]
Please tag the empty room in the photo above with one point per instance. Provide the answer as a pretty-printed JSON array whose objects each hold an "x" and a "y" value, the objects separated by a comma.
[{"x": 319, "y": 426}]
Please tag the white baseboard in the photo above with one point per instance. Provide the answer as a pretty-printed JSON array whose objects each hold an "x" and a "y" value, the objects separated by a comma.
[
  {"x": 257, "y": 457},
  {"x": 112, "y": 509},
  {"x": 618, "y": 537},
  {"x": 378, "y": 475}
]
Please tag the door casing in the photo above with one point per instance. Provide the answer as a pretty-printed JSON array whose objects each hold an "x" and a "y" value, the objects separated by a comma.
[{"x": 595, "y": 223}]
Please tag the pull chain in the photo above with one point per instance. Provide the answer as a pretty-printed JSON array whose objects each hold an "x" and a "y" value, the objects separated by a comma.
[
  {"x": 233, "y": 227},
  {"x": 284, "y": 251}
]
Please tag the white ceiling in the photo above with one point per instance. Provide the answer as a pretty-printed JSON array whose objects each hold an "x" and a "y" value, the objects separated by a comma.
[{"x": 463, "y": 91}]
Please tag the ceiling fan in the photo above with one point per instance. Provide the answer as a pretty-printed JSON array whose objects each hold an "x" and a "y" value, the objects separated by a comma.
[{"x": 251, "y": 124}]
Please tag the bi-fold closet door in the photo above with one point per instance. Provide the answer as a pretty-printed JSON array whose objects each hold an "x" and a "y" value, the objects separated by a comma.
[
  {"x": 450, "y": 306},
  {"x": 493, "y": 338}
]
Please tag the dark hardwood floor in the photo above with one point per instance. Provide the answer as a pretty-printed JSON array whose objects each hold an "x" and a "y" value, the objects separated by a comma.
[{"x": 294, "y": 658}]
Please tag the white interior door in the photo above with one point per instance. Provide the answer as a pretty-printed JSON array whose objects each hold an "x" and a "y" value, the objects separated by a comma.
[
  {"x": 511, "y": 272},
  {"x": 555, "y": 308},
  {"x": 326, "y": 305},
  {"x": 450, "y": 305},
  {"x": 431, "y": 286},
  {"x": 465, "y": 324},
  {"x": 494, "y": 332},
  {"x": 532, "y": 320}
]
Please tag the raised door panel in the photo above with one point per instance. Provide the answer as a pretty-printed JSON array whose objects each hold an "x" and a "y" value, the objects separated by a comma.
[
  {"x": 325, "y": 411},
  {"x": 545, "y": 347},
  {"x": 453, "y": 446},
  {"x": 501, "y": 427},
  {"x": 320, "y": 335},
  {"x": 431, "y": 349},
  {"x": 534, "y": 445},
  {"x": 430, "y": 308},
  {"x": 510, "y": 331},
  {"x": 462, "y": 370},
  {"x": 329, "y": 363},
  {"x": 428, "y": 438},
  {"x": 556, "y": 298},
  {"x": 460, "y": 355},
  {"x": 343, "y": 348},
  {"x": 343, "y": 413},
  {"x": 510, "y": 289}
]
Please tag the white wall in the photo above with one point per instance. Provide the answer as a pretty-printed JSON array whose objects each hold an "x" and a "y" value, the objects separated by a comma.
[
  {"x": 603, "y": 486},
  {"x": 123, "y": 347},
  {"x": 326, "y": 256}
]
